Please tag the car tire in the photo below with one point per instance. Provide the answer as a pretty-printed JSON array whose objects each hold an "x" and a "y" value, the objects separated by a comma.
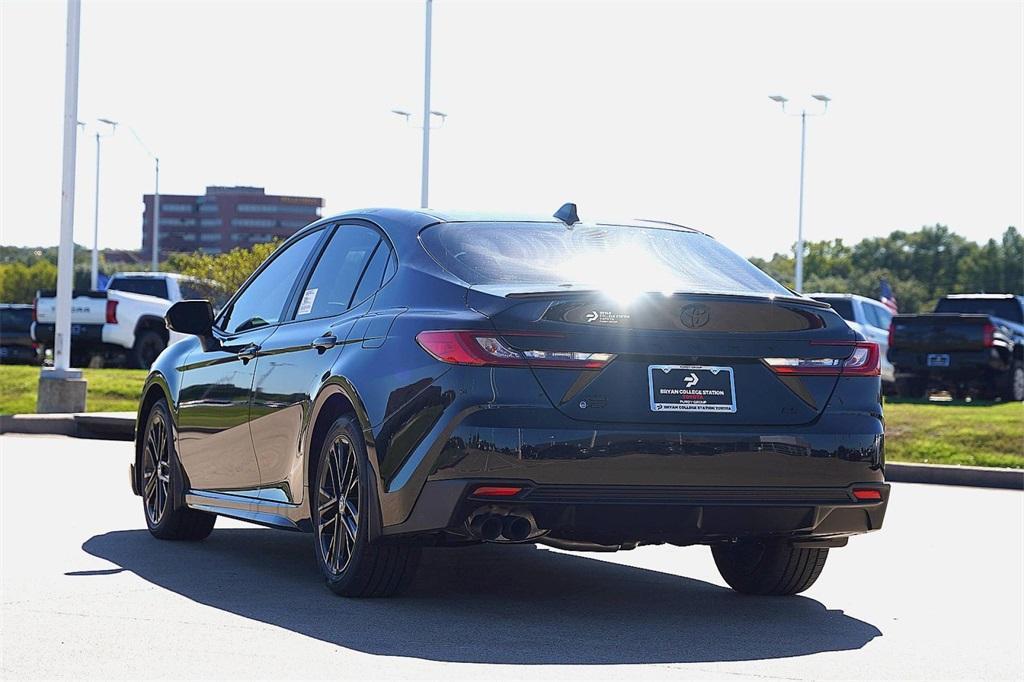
[
  {"x": 769, "y": 567},
  {"x": 161, "y": 482},
  {"x": 148, "y": 345},
  {"x": 1014, "y": 389},
  {"x": 342, "y": 500}
]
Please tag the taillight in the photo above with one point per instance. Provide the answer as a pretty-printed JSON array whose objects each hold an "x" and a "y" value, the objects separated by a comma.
[
  {"x": 111, "y": 312},
  {"x": 892, "y": 332},
  {"x": 496, "y": 491},
  {"x": 864, "y": 361},
  {"x": 483, "y": 349},
  {"x": 988, "y": 335},
  {"x": 35, "y": 310}
]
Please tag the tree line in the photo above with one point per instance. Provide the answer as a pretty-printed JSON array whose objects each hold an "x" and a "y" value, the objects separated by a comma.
[{"x": 921, "y": 267}]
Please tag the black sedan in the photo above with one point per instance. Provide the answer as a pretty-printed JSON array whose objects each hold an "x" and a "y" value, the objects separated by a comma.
[{"x": 394, "y": 379}]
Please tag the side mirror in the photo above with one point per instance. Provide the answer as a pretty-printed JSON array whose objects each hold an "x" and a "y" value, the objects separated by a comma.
[{"x": 190, "y": 317}]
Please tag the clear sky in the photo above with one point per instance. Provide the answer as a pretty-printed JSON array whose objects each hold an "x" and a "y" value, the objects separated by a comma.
[{"x": 629, "y": 109}]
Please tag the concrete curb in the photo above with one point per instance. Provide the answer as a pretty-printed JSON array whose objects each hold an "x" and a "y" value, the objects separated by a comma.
[
  {"x": 108, "y": 425},
  {"x": 944, "y": 474}
]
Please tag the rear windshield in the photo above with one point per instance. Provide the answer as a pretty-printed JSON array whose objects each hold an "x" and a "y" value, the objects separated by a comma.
[
  {"x": 613, "y": 258},
  {"x": 150, "y": 286},
  {"x": 15, "y": 319},
  {"x": 1005, "y": 308},
  {"x": 843, "y": 306}
]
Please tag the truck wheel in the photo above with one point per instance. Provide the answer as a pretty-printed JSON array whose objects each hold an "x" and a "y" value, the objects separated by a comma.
[
  {"x": 148, "y": 345},
  {"x": 769, "y": 567},
  {"x": 1015, "y": 385}
]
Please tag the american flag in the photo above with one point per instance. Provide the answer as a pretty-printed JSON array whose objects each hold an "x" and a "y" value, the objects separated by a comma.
[{"x": 888, "y": 298}]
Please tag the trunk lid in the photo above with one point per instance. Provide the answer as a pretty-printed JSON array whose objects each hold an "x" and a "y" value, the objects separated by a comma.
[{"x": 729, "y": 333}]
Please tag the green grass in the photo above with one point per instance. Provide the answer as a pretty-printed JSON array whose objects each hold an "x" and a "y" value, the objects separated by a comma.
[
  {"x": 110, "y": 390},
  {"x": 978, "y": 434}
]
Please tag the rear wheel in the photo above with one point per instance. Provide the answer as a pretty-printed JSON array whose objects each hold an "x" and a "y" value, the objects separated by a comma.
[
  {"x": 1015, "y": 386},
  {"x": 341, "y": 505},
  {"x": 769, "y": 567},
  {"x": 166, "y": 517}
]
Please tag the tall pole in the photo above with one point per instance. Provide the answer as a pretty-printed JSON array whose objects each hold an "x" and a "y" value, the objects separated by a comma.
[
  {"x": 425, "y": 173},
  {"x": 94, "y": 273},
  {"x": 66, "y": 250},
  {"x": 800, "y": 210},
  {"x": 156, "y": 219}
]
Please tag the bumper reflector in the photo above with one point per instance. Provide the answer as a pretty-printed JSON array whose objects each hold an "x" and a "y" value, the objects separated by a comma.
[
  {"x": 867, "y": 494},
  {"x": 496, "y": 491}
]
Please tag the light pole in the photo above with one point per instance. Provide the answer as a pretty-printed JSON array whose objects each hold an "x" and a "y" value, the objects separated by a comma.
[
  {"x": 155, "y": 239},
  {"x": 62, "y": 389},
  {"x": 800, "y": 211},
  {"x": 425, "y": 171},
  {"x": 94, "y": 273}
]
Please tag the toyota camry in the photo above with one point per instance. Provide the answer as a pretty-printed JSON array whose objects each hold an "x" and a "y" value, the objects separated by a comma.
[{"x": 390, "y": 379}]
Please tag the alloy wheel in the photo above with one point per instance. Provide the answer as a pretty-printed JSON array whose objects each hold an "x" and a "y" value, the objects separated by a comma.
[
  {"x": 338, "y": 505},
  {"x": 156, "y": 469},
  {"x": 1018, "y": 384}
]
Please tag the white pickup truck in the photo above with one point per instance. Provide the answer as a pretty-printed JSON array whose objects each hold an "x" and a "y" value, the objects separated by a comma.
[{"x": 124, "y": 324}]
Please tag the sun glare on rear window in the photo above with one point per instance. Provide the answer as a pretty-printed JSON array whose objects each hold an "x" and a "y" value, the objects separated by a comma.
[{"x": 620, "y": 260}]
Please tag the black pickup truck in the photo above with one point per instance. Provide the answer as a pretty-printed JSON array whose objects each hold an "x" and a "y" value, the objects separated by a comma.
[{"x": 971, "y": 346}]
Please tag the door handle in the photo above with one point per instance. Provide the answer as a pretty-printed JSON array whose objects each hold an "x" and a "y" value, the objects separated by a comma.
[
  {"x": 328, "y": 340},
  {"x": 248, "y": 352}
]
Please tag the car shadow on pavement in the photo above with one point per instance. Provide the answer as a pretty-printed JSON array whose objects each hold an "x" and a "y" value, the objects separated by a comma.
[{"x": 487, "y": 604}]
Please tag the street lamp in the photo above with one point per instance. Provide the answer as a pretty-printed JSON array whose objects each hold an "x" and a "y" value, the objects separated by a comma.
[
  {"x": 425, "y": 172},
  {"x": 155, "y": 265},
  {"x": 824, "y": 99},
  {"x": 94, "y": 272}
]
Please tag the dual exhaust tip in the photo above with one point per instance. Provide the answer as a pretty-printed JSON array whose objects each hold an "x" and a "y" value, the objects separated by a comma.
[{"x": 511, "y": 527}]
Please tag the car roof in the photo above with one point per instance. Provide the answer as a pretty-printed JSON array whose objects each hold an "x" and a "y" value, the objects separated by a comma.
[{"x": 420, "y": 218}]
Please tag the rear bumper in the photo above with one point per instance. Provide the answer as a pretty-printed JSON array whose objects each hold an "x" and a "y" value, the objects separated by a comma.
[
  {"x": 614, "y": 515},
  {"x": 963, "y": 365}
]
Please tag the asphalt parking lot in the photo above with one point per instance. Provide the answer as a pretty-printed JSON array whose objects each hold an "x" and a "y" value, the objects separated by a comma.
[{"x": 88, "y": 594}]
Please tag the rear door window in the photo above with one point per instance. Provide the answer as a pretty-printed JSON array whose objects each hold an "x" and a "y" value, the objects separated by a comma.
[
  {"x": 150, "y": 286},
  {"x": 614, "y": 258},
  {"x": 333, "y": 283}
]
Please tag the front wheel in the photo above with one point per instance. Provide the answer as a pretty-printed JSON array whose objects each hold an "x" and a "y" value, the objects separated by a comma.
[
  {"x": 166, "y": 517},
  {"x": 769, "y": 567},
  {"x": 340, "y": 501}
]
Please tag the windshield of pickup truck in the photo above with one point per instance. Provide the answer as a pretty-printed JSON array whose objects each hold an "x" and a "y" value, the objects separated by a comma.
[{"x": 1005, "y": 308}]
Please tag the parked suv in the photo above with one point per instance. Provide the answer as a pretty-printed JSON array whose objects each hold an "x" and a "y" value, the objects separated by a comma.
[{"x": 393, "y": 379}]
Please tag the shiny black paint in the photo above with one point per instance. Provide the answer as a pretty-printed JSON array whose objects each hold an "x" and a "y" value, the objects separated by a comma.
[{"x": 246, "y": 428}]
